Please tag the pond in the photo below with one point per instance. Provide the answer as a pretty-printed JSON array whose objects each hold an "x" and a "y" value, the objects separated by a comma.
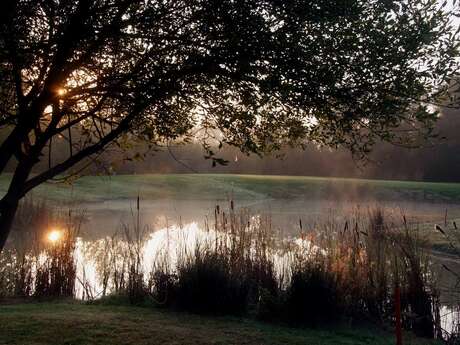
[{"x": 174, "y": 213}]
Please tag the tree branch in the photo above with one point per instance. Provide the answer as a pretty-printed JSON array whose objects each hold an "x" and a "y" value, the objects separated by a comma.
[{"x": 77, "y": 157}]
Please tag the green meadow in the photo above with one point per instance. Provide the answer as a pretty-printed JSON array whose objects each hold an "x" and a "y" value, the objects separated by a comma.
[{"x": 239, "y": 187}]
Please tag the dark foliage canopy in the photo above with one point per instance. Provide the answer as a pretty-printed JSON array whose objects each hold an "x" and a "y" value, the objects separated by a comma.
[{"x": 255, "y": 74}]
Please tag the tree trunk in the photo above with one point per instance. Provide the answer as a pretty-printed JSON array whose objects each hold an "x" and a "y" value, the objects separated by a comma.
[
  {"x": 9, "y": 203},
  {"x": 7, "y": 212}
]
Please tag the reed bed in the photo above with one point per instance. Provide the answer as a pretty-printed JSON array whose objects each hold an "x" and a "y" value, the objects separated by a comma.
[
  {"x": 336, "y": 271},
  {"x": 332, "y": 272},
  {"x": 451, "y": 232},
  {"x": 34, "y": 264}
]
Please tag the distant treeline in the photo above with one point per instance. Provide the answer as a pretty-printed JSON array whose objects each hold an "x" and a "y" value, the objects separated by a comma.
[{"x": 437, "y": 161}]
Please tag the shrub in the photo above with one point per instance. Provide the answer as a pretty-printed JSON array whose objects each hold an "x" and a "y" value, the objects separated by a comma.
[
  {"x": 312, "y": 297},
  {"x": 206, "y": 285},
  {"x": 162, "y": 287},
  {"x": 270, "y": 305}
]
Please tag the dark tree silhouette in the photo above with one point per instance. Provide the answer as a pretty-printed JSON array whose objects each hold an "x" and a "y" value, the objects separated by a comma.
[{"x": 255, "y": 74}]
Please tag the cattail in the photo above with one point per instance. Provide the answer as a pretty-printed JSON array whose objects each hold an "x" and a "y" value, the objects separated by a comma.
[{"x": 437, "y": 227}]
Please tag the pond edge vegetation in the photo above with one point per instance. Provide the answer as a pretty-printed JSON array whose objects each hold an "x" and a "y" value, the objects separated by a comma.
[{"x": 333, "y": 274}]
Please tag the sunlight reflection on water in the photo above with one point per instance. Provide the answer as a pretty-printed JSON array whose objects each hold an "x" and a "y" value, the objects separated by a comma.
[
  {"x": 164, "y": 245},
  {"x": 168, "y": 243},
  {"x": 175, "y": 242}
]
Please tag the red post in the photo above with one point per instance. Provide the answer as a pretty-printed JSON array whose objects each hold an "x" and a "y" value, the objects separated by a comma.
[{"x": 398, "y": 315}]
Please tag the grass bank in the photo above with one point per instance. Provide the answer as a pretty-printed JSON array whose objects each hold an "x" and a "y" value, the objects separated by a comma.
[
  {"x": 239, "y": 187},
  {"x": 74, "y": 323}
]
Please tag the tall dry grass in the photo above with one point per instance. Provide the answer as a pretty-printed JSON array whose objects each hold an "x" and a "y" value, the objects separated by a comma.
[
  {"x": 331, "y": 272},
  {"x": 31, "y": 264},
  {"x": 371, "y": 255},
  {"x": 451, "y": 233}
]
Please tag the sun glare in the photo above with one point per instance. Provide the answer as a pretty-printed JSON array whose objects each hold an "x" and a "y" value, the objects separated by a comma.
[
  {"x": 54, "y": 236},
  {"x": 61, "y": 92}
]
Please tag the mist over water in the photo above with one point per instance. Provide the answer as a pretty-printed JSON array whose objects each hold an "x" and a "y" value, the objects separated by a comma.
[
  {"x": 174, "y": 242},
  {"x": 104, "y": 218},
  {"x": 176, "y": 212}
]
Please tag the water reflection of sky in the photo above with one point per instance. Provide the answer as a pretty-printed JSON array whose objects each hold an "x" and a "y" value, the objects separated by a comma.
[
  {"x": 167, "y": 245},
  {"x": 175, "y": 242},
  {"x": 103, "y": 219}
]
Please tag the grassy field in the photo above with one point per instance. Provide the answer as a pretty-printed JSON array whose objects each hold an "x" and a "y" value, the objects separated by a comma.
[
  {"x": 72, "y": 323},
  {"x": 239, "y": 187}
]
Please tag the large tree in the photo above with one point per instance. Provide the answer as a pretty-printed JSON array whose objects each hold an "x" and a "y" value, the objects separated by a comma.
[{"x": 255, "y": 74}]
